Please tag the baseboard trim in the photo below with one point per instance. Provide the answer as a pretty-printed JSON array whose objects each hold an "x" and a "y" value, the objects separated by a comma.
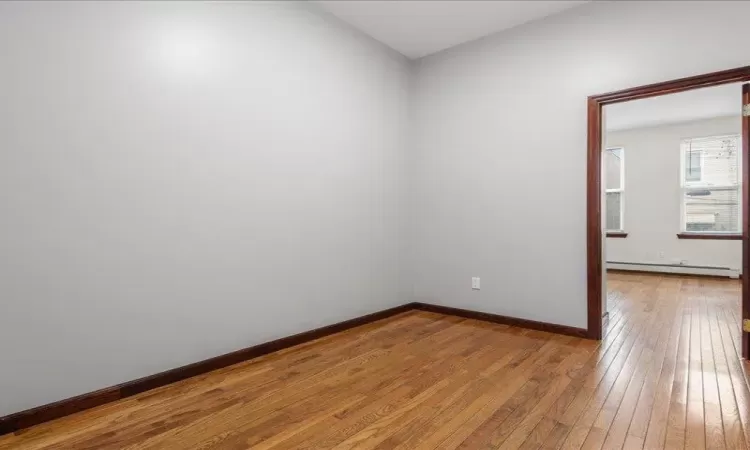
[
  {"x": 35, "y": 416},
  {"x": 505, "y": 320},
  {"x": 673, "y": 274}
]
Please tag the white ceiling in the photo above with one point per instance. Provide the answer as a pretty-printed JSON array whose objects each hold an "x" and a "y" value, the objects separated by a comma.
[
  {"x": 717, "y": 101},
  {"x": 416, "y": 28}
]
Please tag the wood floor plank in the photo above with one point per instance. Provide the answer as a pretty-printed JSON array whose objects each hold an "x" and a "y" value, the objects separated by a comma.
[
  {"x": 667, "y": 374},
  {"x": 695, "y": 430},
  {"x": 512, "y": 388},
  {"x": 676, "y": 419},
  {"x": 730, "y": 415},
  {"x": 627, "y": 417},
  {"x": 617, "y": 378},
  {"x": 633, "y": 442},
  {"x": 657, "y": 404},
  {"x": 711, "y": 405},
  {"x": 736, "y": 373},
  {"x": 651, "y": 408}
]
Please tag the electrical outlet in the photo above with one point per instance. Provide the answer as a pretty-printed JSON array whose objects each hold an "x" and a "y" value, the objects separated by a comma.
[
  {"x": 661, "y": 255},
  {"x": 475, "y": 283}
]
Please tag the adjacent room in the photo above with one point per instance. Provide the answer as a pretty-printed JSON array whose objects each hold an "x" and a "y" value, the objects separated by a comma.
[
  {"x": 672, "y": 169},
  {"x": 374, "y": 224},
  {"x": 673, "y": 239}
]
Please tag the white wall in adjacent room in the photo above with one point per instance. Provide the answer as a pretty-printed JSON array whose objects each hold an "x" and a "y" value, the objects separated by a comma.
[
  {"x": 500, "y": 184},
  {"x": 652, "y": 197},
  {"x": 183, "y": 179}
]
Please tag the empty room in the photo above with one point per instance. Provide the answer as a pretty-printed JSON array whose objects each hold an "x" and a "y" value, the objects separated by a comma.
[{"x": 374, "y": 224}]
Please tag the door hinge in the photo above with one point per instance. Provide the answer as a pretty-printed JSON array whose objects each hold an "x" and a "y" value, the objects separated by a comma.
[
  {"x": 746, "y": 326},
  {"x": 746, "y": 110}
]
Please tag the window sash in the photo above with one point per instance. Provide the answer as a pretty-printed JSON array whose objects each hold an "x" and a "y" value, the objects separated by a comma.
[
  {"x": 622, "y": 210},
  {"x": 687, "y": 185},
  {"x": 684, "y": 202},
  {"x": 622, "y": 169},
  {"x": 620, "y": 190},
  {"x": 701, "y": 159},
  {"x": 685, "y": 147}
]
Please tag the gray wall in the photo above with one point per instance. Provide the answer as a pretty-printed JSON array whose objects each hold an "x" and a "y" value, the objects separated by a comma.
[
  {"x": 500, "y": 188},
  {"x": 180, "y": 180},
  {"x": 653, "y": 197}
]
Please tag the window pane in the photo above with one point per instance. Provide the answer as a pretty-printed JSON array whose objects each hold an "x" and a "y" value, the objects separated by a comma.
[
  {"x": 693, "y": 166},
  {"x": 712, "y": 161},
  {"x": 712, "y": 210},
  {"x": 613, "y": 164},
  {"x": 613, "y": 211}
]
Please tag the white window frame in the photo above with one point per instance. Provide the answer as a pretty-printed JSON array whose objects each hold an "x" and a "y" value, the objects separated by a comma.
[
  {"x": 621, "y": 189},
  {"x": 684, "y": 185}
]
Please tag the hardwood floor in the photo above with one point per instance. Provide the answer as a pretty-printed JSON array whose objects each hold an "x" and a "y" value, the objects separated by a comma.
[{"x": 666, "y": 375}]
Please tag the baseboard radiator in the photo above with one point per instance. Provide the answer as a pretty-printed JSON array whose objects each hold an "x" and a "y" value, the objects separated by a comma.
[{"x": 674, "y": 268}]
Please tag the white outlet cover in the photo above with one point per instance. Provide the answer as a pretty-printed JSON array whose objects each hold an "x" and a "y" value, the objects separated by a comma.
[{"x": 475, "y": 283}]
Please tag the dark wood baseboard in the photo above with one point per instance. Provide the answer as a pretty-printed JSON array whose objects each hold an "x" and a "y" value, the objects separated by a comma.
[
  {"x": 45, "y": 413},
  {"x": 25, "y": 419},
  {"x": 505, "y": 320},
  {"x": 669, "y": 274}
]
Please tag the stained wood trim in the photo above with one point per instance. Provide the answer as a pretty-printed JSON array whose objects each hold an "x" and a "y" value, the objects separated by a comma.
[
  {"x": 617, "y": 234},
  {"x": 594, "y": 267},
  {"x": 714, "y": 236},
  {"x": 45, "y": 413},
  {"x": 745, "y": 220},
  {"x": 671, "y": 87},
  {"x": 505, "y": 320},
  {"x": 594, "y": 220}
]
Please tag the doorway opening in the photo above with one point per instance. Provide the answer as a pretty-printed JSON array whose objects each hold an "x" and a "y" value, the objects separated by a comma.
[{"x": 702, "y": 157}]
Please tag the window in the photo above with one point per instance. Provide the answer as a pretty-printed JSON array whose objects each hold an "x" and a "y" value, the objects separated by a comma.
[
  {"x": 615, "y": 177},
  {"x": 711, "y": 184}
]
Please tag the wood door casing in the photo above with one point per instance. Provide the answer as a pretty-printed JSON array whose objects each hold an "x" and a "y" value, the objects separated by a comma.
[
  {"x": 593, "y": 184},
  {"x": 745, "y": 217}
]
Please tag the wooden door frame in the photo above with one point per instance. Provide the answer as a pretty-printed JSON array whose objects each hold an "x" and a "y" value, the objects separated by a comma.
[{"x": 594, "y": 181}]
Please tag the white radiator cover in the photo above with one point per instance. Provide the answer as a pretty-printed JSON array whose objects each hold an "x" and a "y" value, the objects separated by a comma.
[{"x": 673, "y": 268}]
